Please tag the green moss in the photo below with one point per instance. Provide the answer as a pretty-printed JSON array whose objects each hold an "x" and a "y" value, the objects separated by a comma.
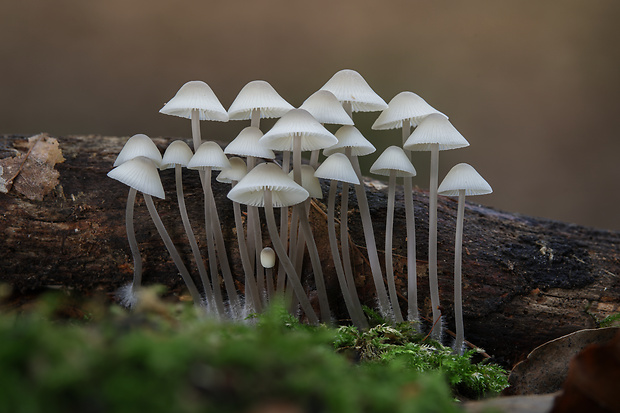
[
  {"x": 166, "y": 358},
  {"x": 610, "y": 321}
]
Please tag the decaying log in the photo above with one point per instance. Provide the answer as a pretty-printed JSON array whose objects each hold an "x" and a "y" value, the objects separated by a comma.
[{"x": 526, "y": 280}]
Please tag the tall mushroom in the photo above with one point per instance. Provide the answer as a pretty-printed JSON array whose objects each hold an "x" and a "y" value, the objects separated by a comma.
[
  {"x": 462, "y": 180},
  {"x": 393, "y": 162},
  {"x": 140, "y": 174},
  {"x": 268, "y": 186},
  {"x": 337, "y": 168},
  {"x": 405, "y": 110},
  {"x": 435, "y": 133}
]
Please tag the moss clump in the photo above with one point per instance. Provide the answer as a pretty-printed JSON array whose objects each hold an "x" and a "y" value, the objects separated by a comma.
[{"x": 166, "y": 358}]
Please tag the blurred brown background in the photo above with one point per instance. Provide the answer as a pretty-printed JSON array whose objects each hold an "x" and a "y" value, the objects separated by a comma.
[{"x": 533, "y": 85}]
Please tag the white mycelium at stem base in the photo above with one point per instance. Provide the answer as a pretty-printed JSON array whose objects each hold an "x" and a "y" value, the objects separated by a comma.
[
  {"x": 268, "y": 186},
  {"x": 405, "y": 110},
  {"x": 394, "y": 163},
  {"x": 462, "y": 180},
  {"x": 434, "y": 133}
]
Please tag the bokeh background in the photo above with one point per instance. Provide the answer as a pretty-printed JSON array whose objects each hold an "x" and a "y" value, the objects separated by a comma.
[{"x": 533, "y": 85}]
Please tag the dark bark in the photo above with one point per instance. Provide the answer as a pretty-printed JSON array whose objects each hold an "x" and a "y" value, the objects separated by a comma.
[{"x": 526, "y": 280}]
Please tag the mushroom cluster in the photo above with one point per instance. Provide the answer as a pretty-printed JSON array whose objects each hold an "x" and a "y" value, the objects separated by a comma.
[{"x": 273, "y": 261}]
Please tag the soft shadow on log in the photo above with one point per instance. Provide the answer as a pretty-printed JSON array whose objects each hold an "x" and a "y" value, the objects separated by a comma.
[{"x": 525, "y": 280}]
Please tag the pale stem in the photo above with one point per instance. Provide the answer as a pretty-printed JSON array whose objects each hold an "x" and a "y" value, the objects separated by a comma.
[
  {"x": 348, "y": 107},
  {"x": 193, "y": 291},
  {"x": 412, "y": 277},
  {"x": 319, "y": 280},
  {"x": 344, "y": 231},
  {"x": 215, "y": 277},
  {"x": 250, "y": 281},
  {"x": 314, "y": 158},
  {"x": 286, "y": 161},
  {"x": 432, "y": 242},
  {"x": 354, "y": 307},
  {"x": 255, "y": 118},
  {"x": 190, "y": 234},
  {"x": 288, "y": 265},
  {"x": 255, "y": 237},
  {"x": 389, "y": 228},
  {"x": 371, "y": 245},
  {"x": 195, "y": 116},
  {"x": 297, "y": 240},
  {"x": 251, "y": 162},
  {"x": 133, "y": 244},
  {"x": 458, "y": 282}
]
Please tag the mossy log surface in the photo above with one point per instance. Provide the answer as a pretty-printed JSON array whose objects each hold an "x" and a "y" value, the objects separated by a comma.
[{"x": 526, "y": 280}]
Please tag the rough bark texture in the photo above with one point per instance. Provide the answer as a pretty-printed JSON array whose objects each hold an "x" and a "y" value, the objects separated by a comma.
[{"x": 526, "y": 280}]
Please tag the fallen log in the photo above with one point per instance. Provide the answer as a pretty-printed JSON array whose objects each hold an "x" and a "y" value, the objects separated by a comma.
[{"x": 526, "y": 280}]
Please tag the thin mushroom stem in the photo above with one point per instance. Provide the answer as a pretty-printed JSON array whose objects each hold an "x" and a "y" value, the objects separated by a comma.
[
  {"x": 412, "y": 277},
  {"x": 133, "y": 244},
  {"x": 319, "y": 280},
  {"x": 389, "y": 228},
  {"x": 255, "y": 236},
  {"x": 354, "y": 307},
  {"x": 458, "y": 295},
  {"x": 190, "y": 234},
  {"x": 286, "y": 161},
  {"x": 344, "y": 232},
  {"x": 432, "y": 243},
  {"x": 197, "y": 140},
  {"x": 255, "y": 118},
  {"x": 288, "y": 265},
  {"x": 371, "y": 245},
  {"x": 314, "y": 158},
  {"x": 172, "y": 250},
  {"x": 215, "y": 277}
]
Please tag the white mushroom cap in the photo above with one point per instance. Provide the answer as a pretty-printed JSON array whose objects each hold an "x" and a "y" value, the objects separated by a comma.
[
  {"x": 325, "y": 108},
  {"x": 198, "y": 95},
  {"x": 236, "y": 172},
  {"x": 435, "y": 129},
  {"x": 393, "y": 159},
  {"x": 258, "y": 94},
  {"x": 138, "y": 145},
  {"x": 337, "y": 167},
  {"x": 177, "y": 153},
  {"x": 464, "y": 177},
  {"x": 405, "y": 105},
  {"x": 298, "y": 123},
  {"x": 268, "y": 257},
  {"x": 139, "y": 173},
  {"x": 209, "y": 154},
  {"x": 349, "y": 86},
  {"x": 247, "y": 144},
  {"x": 351, "y": 137},
  {"x": 250, "y": 190},
  {"x": 310, "y": 182}
]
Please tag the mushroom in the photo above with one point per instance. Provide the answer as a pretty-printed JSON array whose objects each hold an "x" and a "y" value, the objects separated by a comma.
[
  {"x": 177, "y": 156},
  {"x": 232, "y": 175},
  {"x": 268, "y": 186},
  {"x": 407, "y": 109},
  {"x": 354, "y": 144},
  {"x": 210, "y": 156},
  {"x": 268, "y": 261},
  {"x": 434, "y": 133},
  {"x": 337, "y": 168},
  {"x": 393, "y": 162},
  {"x": 140, "y": 174},
  {"x": 462, "y": 180}
]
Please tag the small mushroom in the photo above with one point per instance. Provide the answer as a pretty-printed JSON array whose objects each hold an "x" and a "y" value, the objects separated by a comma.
[
  {"x": 462, "y": 180},
  {"x": 268, "y": 261}
]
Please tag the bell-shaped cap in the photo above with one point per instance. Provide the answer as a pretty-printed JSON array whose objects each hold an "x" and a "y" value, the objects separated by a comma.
[
  {"x": 235, "y": 173},
  {"x": 349, "y": 86},
  {"x": 325, "y": 108},
  {"x": 209, "y": 155},
  {"x": 267, "y": 176},
  {"x": 464, "y": 177},
  {"x": 351, "y": 137},
  {"x": 247, "y": 144},
  {"x": 435, "y": 129},
  {"x": 337, "y": 167},
  {"x": 141, "y": 174},
  {"x": 309, "y": 182},
  {"x": 177, "y": 153},
  {"x": 267, "y": 257},
  {"x": 138, "y": 145},
  {"x": 260, "y": 95},
  {"x": 405, "y": 105},
  {"x": 298, "y": 123},
  {"x": 393, "y": 159},
  {"x": 197, "y": 95}
]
